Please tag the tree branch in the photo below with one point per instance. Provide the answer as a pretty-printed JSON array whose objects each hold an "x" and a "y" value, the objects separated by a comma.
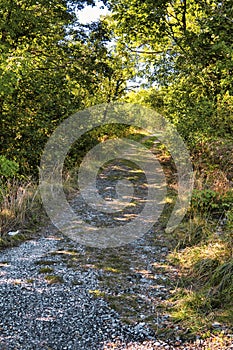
[
  {"x": 184, "y": 15},
  {"x": 147, "y": 52},
  {"x": 172, "y": 34}
]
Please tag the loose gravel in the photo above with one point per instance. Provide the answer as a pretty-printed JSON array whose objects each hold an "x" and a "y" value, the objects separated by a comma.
[
  {"x": 64, "y": 315},
  {"x": 36, "y": 314}
]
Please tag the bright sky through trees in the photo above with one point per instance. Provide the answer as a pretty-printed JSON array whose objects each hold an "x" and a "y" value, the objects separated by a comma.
[{"x": 90, "y": 14}]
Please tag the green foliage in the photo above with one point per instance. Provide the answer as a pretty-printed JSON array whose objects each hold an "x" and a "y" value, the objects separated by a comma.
[
  {"x": 184, "y": 49},
  {"x": 209, "y": 201},
  {"x": 8, "y": 168},
  {"x": 205, "y": 200},
  {"x": 50, "y": 67},
  {"x": 229, "y": 218},
  {"x": 91, "y": 139}
]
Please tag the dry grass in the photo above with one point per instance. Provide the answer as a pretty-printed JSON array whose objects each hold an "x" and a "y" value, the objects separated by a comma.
[
  {"x": 205, "y": 291},
  {"x": 20, "y": 206}
]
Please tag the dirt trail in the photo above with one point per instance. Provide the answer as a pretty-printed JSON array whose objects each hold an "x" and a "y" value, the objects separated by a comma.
[{"x": 58, "y": 294}]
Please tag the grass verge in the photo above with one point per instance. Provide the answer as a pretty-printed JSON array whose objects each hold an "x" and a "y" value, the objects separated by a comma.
[
  {"x": 204, "y": 256},
  {"x": 20, "y": 211}
]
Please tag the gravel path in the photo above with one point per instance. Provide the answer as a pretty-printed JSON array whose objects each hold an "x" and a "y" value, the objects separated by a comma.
[
  {"x": 57, "y": 294},
  {"x": 42, "y": 313},
  {"x": 38, "y": 314}
]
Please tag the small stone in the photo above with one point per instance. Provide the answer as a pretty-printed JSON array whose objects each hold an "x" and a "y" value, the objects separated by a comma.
[
  {"x": 157, "y": 343},
  {"x": 164, "y": 249},
  {"x": 216, "y": 325}
]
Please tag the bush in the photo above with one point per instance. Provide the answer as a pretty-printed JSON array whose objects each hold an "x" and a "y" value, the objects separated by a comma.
[
  {"x": 212, "y": 202},
  {"x": 8, "y": 168}
]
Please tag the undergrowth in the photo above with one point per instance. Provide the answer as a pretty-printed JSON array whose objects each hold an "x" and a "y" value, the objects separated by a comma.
[
  {"x": 20, "y": 210},
  {"x": 204, "y": 255}
]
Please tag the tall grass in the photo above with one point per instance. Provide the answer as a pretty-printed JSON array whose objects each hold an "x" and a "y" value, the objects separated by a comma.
[
  {"x": 20, "y": 205},
  {"x": 204, "y": 255}
]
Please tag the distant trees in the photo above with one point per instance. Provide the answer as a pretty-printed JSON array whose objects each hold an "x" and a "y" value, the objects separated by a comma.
[
  {"x": 185, "y": 49},
  {"x": 50, "y": 67}
]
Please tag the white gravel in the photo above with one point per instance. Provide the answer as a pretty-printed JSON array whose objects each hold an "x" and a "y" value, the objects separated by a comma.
[{"x": 39, "y": 315}]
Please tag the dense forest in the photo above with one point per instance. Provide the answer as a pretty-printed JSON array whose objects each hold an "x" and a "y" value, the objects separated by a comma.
[{"x": 175, "y": 57}]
